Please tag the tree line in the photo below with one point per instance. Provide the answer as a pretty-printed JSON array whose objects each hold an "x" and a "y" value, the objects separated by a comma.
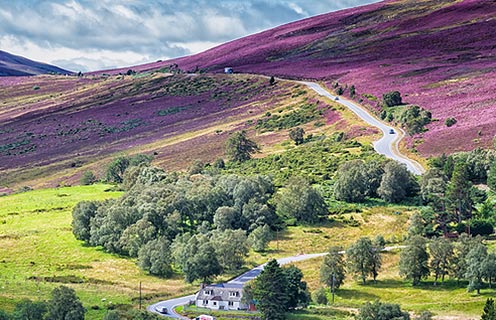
[{"x": 169, "y": 220}]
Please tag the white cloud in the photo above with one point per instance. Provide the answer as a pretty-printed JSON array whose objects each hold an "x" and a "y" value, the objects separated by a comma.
[{"x": 108, "y": 33}]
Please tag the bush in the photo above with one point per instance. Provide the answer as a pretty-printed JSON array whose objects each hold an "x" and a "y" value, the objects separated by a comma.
[
  {"x": 391, "y": 99},
  {"x": 319, "y": 296},
  {"x": 481, "y": 227},
  {"x": 88, "y": 178},
  {"x": 450, "y": 121}
]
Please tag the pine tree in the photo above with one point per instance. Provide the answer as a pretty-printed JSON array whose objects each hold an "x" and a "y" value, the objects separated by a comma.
[
  {"x": 489, "y": 311},
  {"x": 239, "y": 148},
  {"x": 270, "y": 291}
]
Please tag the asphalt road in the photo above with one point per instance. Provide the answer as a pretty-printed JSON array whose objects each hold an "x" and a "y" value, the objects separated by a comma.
[{"x": 388, "y": 144}]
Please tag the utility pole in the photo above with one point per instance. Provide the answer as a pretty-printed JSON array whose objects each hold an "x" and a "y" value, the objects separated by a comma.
[
  {"x": 140, "y": 295},
  {"x": 332, "y": 286}
]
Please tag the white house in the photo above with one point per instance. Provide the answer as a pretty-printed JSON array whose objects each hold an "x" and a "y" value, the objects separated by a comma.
[{"x": 223, "y": 296}]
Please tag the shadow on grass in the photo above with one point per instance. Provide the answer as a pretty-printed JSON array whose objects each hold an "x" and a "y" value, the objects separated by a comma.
[
  {"x": 448, "y": 285},
  {"x": 356, "y": 294}
]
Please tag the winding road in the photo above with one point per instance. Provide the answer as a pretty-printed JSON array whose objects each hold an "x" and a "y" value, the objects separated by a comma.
[{"x": 388, "y": 144}]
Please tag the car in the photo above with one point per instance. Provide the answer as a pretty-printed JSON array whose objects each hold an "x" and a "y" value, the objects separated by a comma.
[
  {"x": 161, "y": 309},
  {"x": 205, "y": 317},
  {"x": 391, "y": 131},
  {"x": 336, "y": 98}
]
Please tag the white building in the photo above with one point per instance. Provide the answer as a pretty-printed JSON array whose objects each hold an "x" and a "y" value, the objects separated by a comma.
[{"x": 224, "y": 296}]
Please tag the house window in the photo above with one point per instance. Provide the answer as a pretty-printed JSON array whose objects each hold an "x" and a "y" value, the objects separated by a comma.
[
  {"x": 234, "y": 294},
  {"x": 214, "y": 303},
  {"x": 205, "y": 301},
  {"x": 231, "y": 303}
]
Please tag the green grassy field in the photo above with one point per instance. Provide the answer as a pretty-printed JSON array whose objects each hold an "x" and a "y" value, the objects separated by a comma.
[{"x": 38, "y": 252}]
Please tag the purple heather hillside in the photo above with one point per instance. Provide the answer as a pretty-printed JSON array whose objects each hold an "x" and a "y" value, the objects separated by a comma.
[{"x": 440, "y": 54}]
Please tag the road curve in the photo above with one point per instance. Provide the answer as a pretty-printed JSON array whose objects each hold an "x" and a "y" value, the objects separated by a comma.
[
  {"x": 245, "y": 277},
  {"x": 388, "y": 144}
]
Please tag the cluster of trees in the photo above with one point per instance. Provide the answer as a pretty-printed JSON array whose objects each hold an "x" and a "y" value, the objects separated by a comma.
[
  {"x": 363, "y": 259},
  {"x": 414, "y": 118},
  {"x": 448, "y": 190},
  {"x": 357, "y": 180},
  {"x": 465, "y": 259},
  {"x": 277, "y": 290},
  {"x": 64, "y": 305},
  {"x": 193, "y": 221}
]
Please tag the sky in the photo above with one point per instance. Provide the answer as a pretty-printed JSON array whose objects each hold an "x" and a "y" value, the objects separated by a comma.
[{"x": 82, "y": 35}]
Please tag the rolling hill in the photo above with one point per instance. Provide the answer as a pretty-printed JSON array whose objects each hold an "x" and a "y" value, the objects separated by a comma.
[
  {"x": 12, "y": 65},
  {"x": 440, "y": 54}
]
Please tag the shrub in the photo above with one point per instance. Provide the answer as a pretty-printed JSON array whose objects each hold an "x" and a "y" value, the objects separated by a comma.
[
  {"x": 450, "y": 121},
  {"x": 391, "y": 99},
  {"x": 88, "y": 178},
  {"x": 36, "y": 88},
  {"x": 319, "y": 296}
]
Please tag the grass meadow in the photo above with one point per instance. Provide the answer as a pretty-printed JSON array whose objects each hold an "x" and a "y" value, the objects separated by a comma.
[{"x": 38, "y": 252}]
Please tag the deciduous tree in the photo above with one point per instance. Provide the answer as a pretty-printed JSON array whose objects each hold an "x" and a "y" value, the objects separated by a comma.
[
  {"x": 414, "y": 260},
  {"x": 332, "y": 269},
  {"x": 65, "y": 305}
]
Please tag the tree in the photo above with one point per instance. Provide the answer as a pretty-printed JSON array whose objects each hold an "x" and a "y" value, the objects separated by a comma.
[
  {"x": 489, "y": 310},
  {"x": 65, "y": 305},
  {"x": 491, "y": 177},
  {"x": 270, "y": 291},
  {"x": 441, "y": 252},
  {"x": 391, "y": 99},
  {"x": 116, "y": 168},
  {"x": 351, "y": 183},
  {"x": 297, "y": 290},
  {"x": 111, "y": 315},
  {"x": 332, "y": 269},
  {"x": 352, "y": 91},
  {"x": 458, "y": 192},
  {"x": 231, "y": 248},
  {"x": 260, "y": 237},
  {"x": 29, "y": 310},
  {"x": 319, "y": 296},
  {"x": 433, "y": 186},
  {"x": 362, "y": 259},
  {"x": 88, "y": 178},
  {"x": 475, "y": 269},
  {"x": 82, "y": 214},
  {"x": 227, "y": 218},
  {"x": 239, "y": 148},
  {"x": 297, "y": 135},
  {"x": 396, "y": 182},
  {"x": 300, "y": 201},
  {"x": 203, "y": 264},
  {"x": 413, "y": 260},
  {"x": 417, "y": 225},
  {"x": 381, "y": 311},
  {"x": 450, "y": 122},
  {"x": 4, "y": 315},
  {"x": 155, "y": 257},
  {"x": 489, "y": 267},
  {"x": 461, "y": 249}
]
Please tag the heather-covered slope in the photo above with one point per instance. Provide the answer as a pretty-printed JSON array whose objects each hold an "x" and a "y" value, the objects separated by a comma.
[
  {"x": 12, "y": 65},
  {"x": 440, "y": 54},
  {"x": 56, "y": 127}
]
